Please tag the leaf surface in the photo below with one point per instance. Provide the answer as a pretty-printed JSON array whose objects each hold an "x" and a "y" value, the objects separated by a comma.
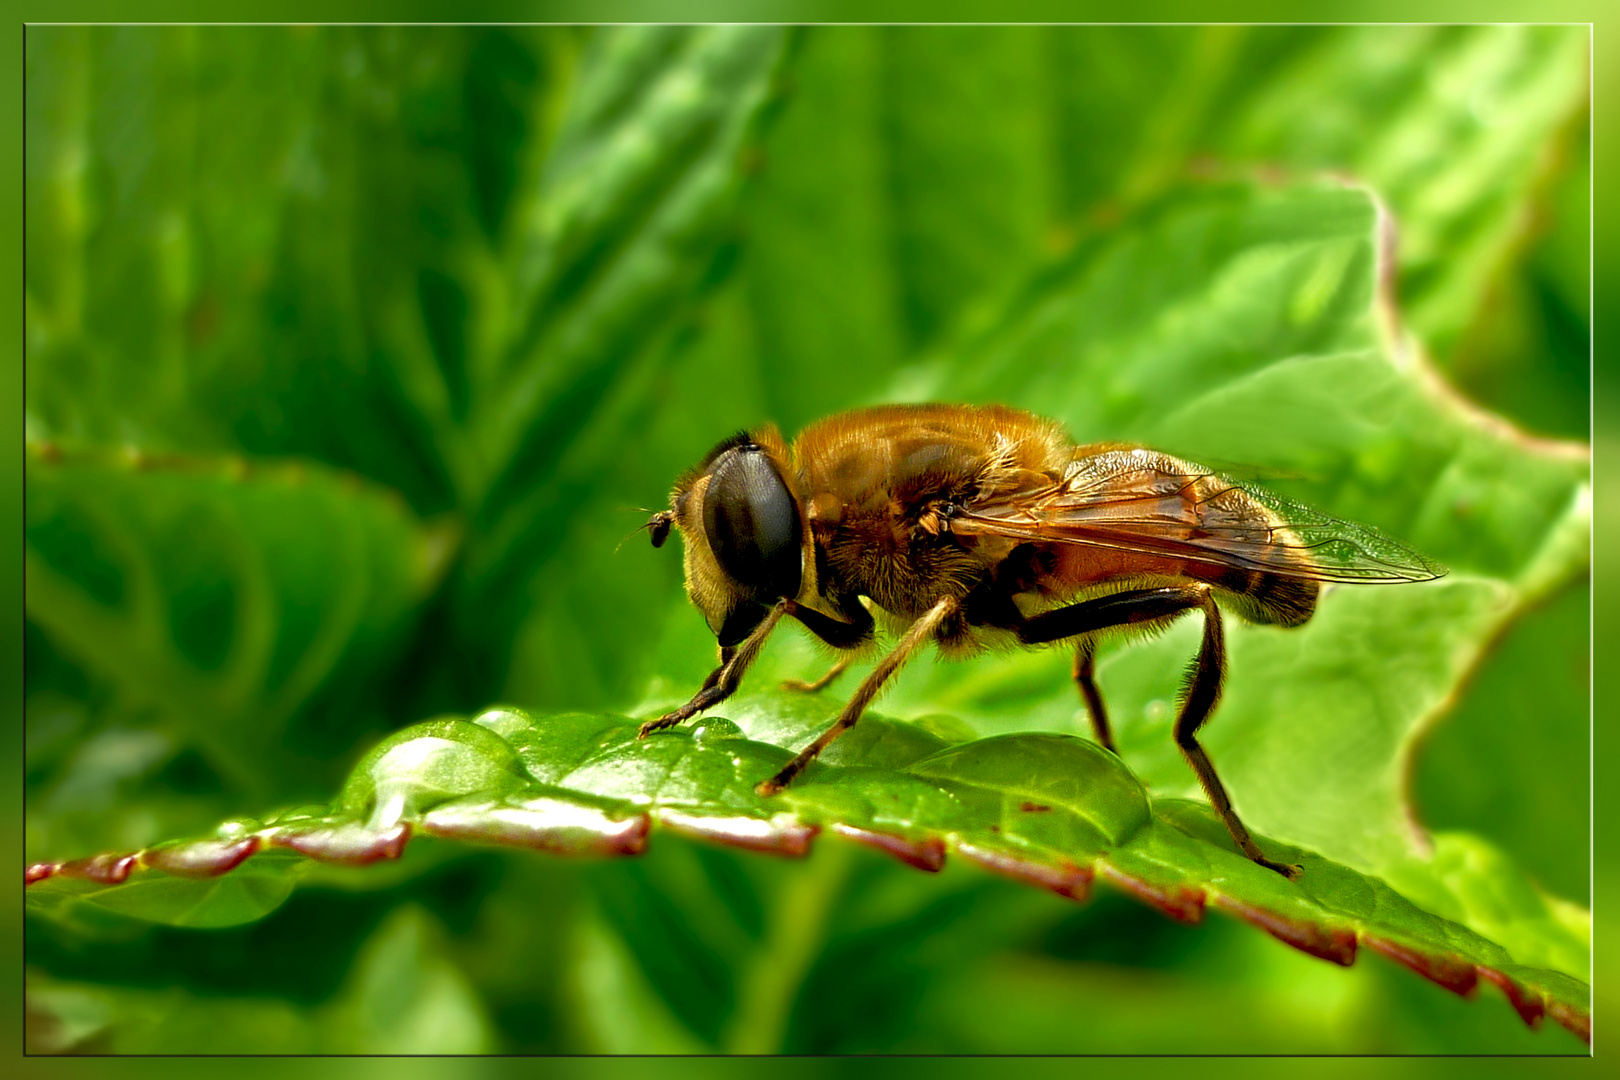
[
  {"x": 219, "y": 592},
  {"x": 1056, "y": 811},
  {"x": 1244, "y": 325}
]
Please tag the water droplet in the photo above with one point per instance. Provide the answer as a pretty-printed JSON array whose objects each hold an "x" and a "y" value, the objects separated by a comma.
[
  {"x": 503, "y": 722},
  {"x": 237, "y": 826}
]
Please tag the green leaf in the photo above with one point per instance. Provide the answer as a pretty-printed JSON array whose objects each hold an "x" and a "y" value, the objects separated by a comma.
[
  {"x": 624, "y": 1015},
  {"x": 148, "y": 273},
  {"x": 629, "y": 212},
  {"x": 1056, "y": 811},
  {"x": 972, "y": 180},
  {"x": 1540, "y": 669},
  {"x": 405, "y": 996},
  {"x": 821, "y": 294},
  {"x": 404, "y": 992},
  {"x": 221, "y": 592},
  {"x": 449, "y": 260},
  {"x": 1259, "y": 337},
  {"x": 629, "y": 222},
  {"x": 260, "y": 887},
  {"x": 1382, "y": 102}
]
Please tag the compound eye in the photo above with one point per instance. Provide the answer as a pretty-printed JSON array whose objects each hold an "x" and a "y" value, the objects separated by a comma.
[{"x": 752, "y": 524}]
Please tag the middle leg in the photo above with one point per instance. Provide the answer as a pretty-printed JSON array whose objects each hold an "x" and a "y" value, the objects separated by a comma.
[
  {"x": 847, "y": 633},
  {"x": 825, "y": 681},
  {"x": 919, "y": 632}
]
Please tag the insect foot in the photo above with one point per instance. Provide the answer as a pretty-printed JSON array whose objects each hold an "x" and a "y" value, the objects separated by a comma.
[{"x": 668, "y": 720}]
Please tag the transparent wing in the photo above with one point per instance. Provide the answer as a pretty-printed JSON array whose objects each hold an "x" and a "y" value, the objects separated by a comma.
[{"x": 1150, "y": 503}]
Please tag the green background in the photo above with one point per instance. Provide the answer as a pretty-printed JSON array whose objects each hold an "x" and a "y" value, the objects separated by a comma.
[{"x": 929, "y": 298}]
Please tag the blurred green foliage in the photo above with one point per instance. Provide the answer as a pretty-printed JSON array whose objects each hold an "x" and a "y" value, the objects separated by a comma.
[{"x": 349, "y": 350}]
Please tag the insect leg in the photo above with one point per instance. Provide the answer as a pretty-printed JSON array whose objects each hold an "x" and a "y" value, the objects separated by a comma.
[
  {"x": 1116, "y": 609},
  {"x": 1085, "y": 672},
  {"x": 835, "y": 632},
  {"x": 723, "y": 680},
  {"x": 919, "y": 632},
  {"x": 726, "y": 653},
  {"x": 823, "y": 682},
  {"x": 1203, "y": 691}
]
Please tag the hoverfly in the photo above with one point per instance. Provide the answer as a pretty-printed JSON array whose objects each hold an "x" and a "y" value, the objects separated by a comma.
[{"x": 973, "y": 525}]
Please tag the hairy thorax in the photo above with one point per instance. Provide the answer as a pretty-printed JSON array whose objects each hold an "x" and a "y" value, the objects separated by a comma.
[{"x": 879, "y": 494}]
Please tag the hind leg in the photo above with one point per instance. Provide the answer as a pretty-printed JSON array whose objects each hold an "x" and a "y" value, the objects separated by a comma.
[
  {"x": 1085, "y": 676},
  {"x": 1160, "y": 605}
]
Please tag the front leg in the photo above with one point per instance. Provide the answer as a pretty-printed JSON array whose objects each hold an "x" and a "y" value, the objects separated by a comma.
[
  {"x": 723, "y": 680},
  {"x": 835, "y": 632}
]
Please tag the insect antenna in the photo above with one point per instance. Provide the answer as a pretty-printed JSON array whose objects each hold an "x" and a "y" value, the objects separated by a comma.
[{"x": 658, "y": 525}]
